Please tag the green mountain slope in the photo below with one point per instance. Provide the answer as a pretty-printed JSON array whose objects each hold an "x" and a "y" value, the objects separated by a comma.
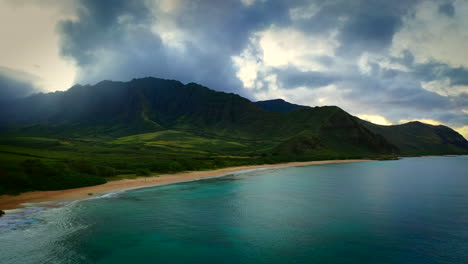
[
  {"x": 116, "y": 109},
  {"x": 278, "y": 106},
  {"x": 150, "y": 104},
  {"x": 90, "y": 134},
  {"x": 416, "y": 138}
]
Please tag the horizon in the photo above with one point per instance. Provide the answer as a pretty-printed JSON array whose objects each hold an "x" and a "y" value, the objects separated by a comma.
[{"x": 385, "y": 62}]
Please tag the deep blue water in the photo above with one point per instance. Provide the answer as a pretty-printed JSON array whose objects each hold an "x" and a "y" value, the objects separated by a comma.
[{"x": 414, "y": 210}]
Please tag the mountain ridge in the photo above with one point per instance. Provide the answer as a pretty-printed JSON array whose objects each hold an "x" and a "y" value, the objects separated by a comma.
[
  {"x": 278, "y": 106},
  {"x": 151, "y": 104},
  {"x": 92, "y": 133}
]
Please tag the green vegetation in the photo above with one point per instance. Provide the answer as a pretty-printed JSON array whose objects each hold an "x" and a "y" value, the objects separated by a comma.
[
  {"x": 91, "y": 134},
  {"x": 416, "y": 138},
  {"x": 143, "y": 172},
  {"x": 34, "y": 163},
  {"x": 278, "y": 106},
  {"x": 48, "y": 164},
  {"x": 36, "y": 174}
]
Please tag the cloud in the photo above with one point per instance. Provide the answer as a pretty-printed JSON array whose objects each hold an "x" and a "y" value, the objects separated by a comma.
[
  {"x": 422, "y": 32},
  {"x": 368, "y": 32},
  {"x": 463, "y": 131},
  {"x": 361, "y": 26},
  {"x": 247, "y": 2},
  {"x": 287, "y": 58},
  {"x": 121, "y": 40},
  {"x": 434, "y": 70},
  {"x": 293, "y": 78},
  {"x": 447, "y": 9},
  {"x": 427, "y": 121},
  {"x": 286, "y": 46},
  {"x": 376, "y": 119},
  {"x": 30, "y": 43},
  {"x": 98, "y": 28},
  {"x": 16, "y": 84},
  {"x": 443, "y": 87},
  {"x": 387, "y": 60}
]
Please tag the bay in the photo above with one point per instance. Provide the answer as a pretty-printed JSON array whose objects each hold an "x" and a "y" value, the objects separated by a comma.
[{"x": 413, "y": 210}]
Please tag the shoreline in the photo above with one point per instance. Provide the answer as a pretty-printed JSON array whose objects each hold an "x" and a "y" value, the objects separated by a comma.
[{"x": 9, "y": 203}]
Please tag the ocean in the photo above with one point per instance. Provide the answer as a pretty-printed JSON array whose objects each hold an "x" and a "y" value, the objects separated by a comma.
[{"x": 413, "y": 210}]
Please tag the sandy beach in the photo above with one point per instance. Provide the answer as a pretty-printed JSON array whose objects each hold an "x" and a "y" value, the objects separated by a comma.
[{"x": 26, "y": 199}]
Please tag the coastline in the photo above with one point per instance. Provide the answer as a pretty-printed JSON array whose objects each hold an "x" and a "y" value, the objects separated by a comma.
[{"x": 31, "y": 199}]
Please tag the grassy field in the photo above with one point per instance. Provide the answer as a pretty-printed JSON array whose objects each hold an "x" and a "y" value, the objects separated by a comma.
[
  {"x": 36, "y": 163},
  {"x": 40, "y": 163}
]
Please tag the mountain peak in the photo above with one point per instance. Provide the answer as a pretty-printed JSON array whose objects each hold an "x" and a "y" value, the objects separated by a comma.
[
  {"x": 149, "y": 104},
  {"x": 278, "y": 105}
]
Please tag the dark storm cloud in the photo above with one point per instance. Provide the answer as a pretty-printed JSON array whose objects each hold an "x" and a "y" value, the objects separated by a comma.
[
  {"x": 437, "y": 70},
  {"x": 388, "y": 89},
  {"x": 327, "y": 61},
  {"x": 368, "y": 32},
  {"x": 121, "y": 32},
  {"x": 418, "y": 99},
  {"x": 229, "y": 24},
  {"x": 397, "y": 95},
  {"x": 117, "y": 40},
  {"x": 407, "y": 59},
  {"x": 447, "y": 9},
  {"x": 372, "y": 25},
  {"x": 291, "y": 78},
  {"x": 364, "y": 25},
  {"x": 448, "y": 117},
  {"x": 15, "y": 84},
  {"x": 382, "y": 88},
  {"x": 98, "y": 26}
]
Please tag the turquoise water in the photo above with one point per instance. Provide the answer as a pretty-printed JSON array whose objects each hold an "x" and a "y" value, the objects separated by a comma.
[{"x": 414, "y": 210}]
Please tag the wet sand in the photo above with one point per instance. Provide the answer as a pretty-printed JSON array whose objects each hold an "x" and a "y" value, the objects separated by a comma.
[{"x": 26, "y": 199}]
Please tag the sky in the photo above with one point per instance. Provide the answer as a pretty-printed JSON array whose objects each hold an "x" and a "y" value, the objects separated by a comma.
[{"x": 388, "y": 62}]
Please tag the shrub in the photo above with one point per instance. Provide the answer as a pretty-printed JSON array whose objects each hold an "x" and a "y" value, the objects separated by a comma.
[
  {"x": 88, "y": 167},
  {"x": 165, "y": 166},
  {"x": 106, "y": 171},
  {"x": 142, "y": 172},
  {"x": 54, "y": 176}
]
